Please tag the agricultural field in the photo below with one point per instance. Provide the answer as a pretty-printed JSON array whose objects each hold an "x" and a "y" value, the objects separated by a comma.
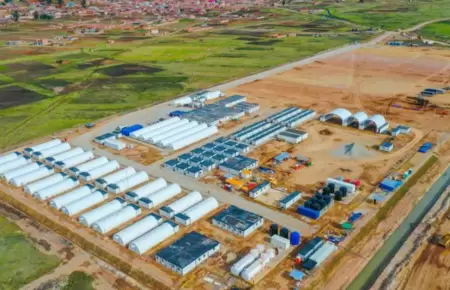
[
  {"x": 389, "y": 15},
  {"x": 438, "y": 31},
  {"x": 50, "y": 89},
  {"x": 21, "y": 262}
]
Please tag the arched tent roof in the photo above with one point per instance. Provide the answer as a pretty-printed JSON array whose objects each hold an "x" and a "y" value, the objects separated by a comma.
[
  {"x": 377, "y": 120},
  {"x": 360, "y": 117},
  {"x": 343, "y": 114}
]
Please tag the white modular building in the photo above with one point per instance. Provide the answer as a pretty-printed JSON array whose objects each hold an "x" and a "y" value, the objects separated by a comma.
[
  {"x": 97, "y": 172},
  {"x": 244, "y": 262},
  {"x": 210, "y": 95},
  {"x": 351, "y": 188},
  {"x": 181, "y": 101},
  {"x": 115, "y": 144},
  {"x": 197, "y": 211},
  {"x": 9, "y": 157},
  {"x": 137, "y": 229},
  {"x": 146, "y": 189},
  {"x": 181, "y": 204},
  {"x": 63, "y": 156},
  {"x": 76, "y": 194},
  {"x": 181, "y": 143},
  {"x": 57, "y": 188},
  {"x": 14, "y": 164},
  {"x": 52, "y": 143},
  {"x": 84, "y": 203},
  {"x": 128, "y": 182},
  {"x": 167, "y": 128},
  {"x": 167, "y": 141},
  {"x": 75, "y": 171},
  {"x": 21, "y": 170},
  {"x": 280, "y": 242},
  {"x": 323, "y": 253},
  {"x": 102, "y": 211},
  {"x": 114, "y": 177},
  {"x": 257, "y": 266},
  {"x": 46, "y": 182},
  {"x": 155, "y": 139},
  {"x": 32, "y": 176},
  {"x": 153, "y": 237},
  {"x": 160, "y": 196},
  {"x": 116, "y": 219},
  {"x": 74, "y": 161},
  {"x": 40, "y": 155},
  {"x": 136, "y": 134}
]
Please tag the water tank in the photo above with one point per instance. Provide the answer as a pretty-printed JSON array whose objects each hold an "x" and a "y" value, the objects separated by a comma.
[
  {"x": 326, "y": 190},
  {"x": 332, "y": 187},
  {"x": 295, "y": 238},
  {"x": 273, "y": 230},
  {"x": 284, "y": 232},
  {"x": 338, "y": 196},
  {"x": 343, "y": 190}
]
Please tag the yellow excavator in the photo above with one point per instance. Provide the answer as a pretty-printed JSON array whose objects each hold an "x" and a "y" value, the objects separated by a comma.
[{"x": 444, "y": 241}]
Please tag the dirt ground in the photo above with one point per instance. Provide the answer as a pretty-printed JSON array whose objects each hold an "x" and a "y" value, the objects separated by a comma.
[{"x": 369, "y": 79}]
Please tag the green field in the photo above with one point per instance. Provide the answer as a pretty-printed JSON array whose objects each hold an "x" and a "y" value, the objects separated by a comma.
[
  {"x": 79, "y": 281},
  {"x": 103, "y": 79},
  {"x": 389, "y": 15},
  {"x": 439, "y": 31},
  {"x": 20, "y": 262}
]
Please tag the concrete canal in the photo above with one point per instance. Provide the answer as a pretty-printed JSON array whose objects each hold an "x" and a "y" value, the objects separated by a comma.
[{"x": 376, "y": 265}]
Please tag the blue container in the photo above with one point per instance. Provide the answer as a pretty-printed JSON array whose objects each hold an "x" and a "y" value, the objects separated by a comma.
[
  {"x": 308, "y": 212},
  {"x": 130, "y": 129},
  {"x": 295, "y": 238},
  {"x": 176, "y": 113}
]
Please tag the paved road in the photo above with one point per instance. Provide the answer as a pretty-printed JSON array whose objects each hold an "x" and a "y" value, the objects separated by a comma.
[{"x": 161, "y": 110}]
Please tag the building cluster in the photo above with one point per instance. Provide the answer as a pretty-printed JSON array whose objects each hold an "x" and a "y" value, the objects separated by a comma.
[
  {"x": 314, "y": 253},
  {"x": 359, "y": 120}
]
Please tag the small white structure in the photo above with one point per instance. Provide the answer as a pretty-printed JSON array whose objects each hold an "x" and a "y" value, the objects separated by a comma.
[
  {"x": 114, "y": 177},
  {"x": 323, "y": 253},
  {"x": 153, "y": 237},
  {"x": 52, "y": 143},
  {"x": 74, "y": 171},
  {"x": 64, "y": 155},
  {"x": 181, "y": 204},
  {"x": 57, "y": 188},
  {"x": 32, "y": 176},
  {"x": 97, "y": 172},
  {"x": 128, "y": 182},
  {"x": 102, "y": 211},
  {"x": 74, "y": 161},
  {"x": 351, "y": 188},
  {"x": 146, "y": 189},
  {"x": 71, "y": 196},
  {"x": 116, "y": 219},
  {"x": 9, "y": 157},
  {"x": 243, "y": 263},
  {"x": 14, "y": 164},
  {"x": 386, "y": 147},
  {"x": 195, "y": 137},
  {"x": 21, "y": 170},
  {"x": 40, "y": 155},
  {"x": 160, "y": 196},
  {"x": 137, "y": 229},
  {"x": 115, "y": 144},
  {"x": 280, "y": 242},
  {"x": 84, "y": 203},
  {"x": 197, "y": 211},
  {"x": 136, "y": 134},
  {"x": 46, "y": 182}
]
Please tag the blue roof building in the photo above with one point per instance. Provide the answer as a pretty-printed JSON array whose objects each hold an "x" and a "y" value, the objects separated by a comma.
[
  {"x": 209, "y": 146},
  {"x": 171, "y": 163},
  {"x": 386, "y": 147},
  {"x": 238, "y": 221},
  {"x": 237, "y": 164}
]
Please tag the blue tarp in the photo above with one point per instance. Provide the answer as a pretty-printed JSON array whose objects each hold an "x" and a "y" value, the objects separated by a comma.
[{"x": 297, "y": 275}]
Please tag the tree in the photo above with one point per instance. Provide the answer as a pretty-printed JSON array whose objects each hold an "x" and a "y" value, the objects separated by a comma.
[
  {"x": 15, "y": 15},
  {"x": 83, "y": 3}
]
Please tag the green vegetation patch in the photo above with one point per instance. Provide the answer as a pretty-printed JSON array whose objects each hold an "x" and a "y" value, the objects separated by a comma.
[
  {"x": 90, "y": 64},
  {"x": 79, "y": 281},
  {"x": 128, "y": 69},
  {"x": 12, "y": 96},
  {"x": 20, "y": 262},
  {"x": 439, "y": 31}
]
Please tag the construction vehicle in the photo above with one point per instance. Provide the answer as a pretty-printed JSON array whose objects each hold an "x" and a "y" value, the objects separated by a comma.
[{"x": 444, "y": 241}]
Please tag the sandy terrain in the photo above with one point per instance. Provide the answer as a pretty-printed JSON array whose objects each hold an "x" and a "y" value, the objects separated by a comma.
[{"x": 369, "y": 79}]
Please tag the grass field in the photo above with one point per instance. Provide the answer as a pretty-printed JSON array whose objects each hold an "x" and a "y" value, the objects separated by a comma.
[
  {"x": 439, "y": 31},
  {"x": 79, "y": 280},
  {"x": 20, "y": 262},
  {"x": 388, "y": 15},
  {"x": 104, "y": 79}
]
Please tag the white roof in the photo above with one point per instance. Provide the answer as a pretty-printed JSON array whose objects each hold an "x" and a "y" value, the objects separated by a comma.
[
  {"x": 342, "y": 113},
  {"x": 359, "y": 117},
  {"x": 378, "y": 120}
]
